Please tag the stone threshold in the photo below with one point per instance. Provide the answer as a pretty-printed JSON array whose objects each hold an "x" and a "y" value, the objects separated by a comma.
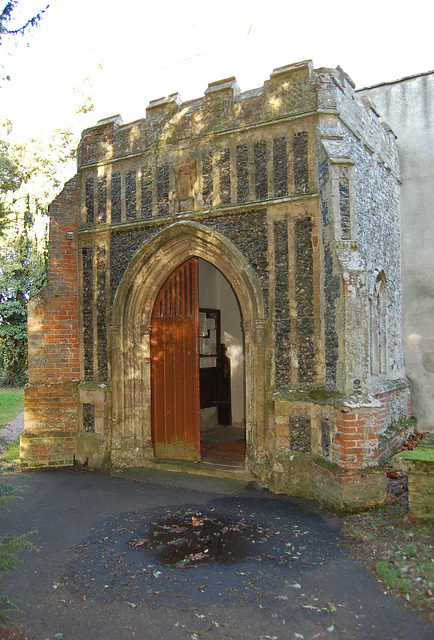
[{"x": 207, "y": 469}]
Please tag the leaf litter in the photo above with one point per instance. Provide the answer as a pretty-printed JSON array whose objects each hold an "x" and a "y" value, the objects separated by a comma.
[{"x": 192, "y": 554}]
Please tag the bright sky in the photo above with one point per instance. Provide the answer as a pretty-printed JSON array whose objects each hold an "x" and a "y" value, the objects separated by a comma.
[{"x": 149, "y": 50}]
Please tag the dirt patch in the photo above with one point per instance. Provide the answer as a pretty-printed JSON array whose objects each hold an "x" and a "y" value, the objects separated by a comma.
[
  {"x": 15, "y": 633},
  {"x": 398, "y": 550}
]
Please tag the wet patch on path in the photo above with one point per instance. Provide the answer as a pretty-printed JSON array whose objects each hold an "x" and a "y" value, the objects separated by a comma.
[{"x": 237, "y": 549}]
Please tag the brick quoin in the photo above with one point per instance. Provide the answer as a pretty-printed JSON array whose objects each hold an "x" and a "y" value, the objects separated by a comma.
[
  {"x": 54, "y": 364},
  {"x": 357, "y": 442}
]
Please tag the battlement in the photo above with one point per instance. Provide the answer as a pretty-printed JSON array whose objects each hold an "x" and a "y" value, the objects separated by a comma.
[{"x": 289, "y": 92}]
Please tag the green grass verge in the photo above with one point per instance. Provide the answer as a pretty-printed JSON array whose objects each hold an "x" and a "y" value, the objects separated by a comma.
[
  {"x": 11, "y": 455},
  {"x": 11, "y": 404},
  {"x": 392, "y": 576},
  {"x": 423, "y": 454}
]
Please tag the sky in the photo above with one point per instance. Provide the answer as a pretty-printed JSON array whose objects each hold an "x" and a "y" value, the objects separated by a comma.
[{"x": 136, "y": 51}]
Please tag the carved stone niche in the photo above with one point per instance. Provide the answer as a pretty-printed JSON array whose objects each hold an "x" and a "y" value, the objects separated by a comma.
[{"x": 186, "y": 178}]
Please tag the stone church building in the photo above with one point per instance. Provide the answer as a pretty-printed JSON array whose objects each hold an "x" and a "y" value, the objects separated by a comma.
[{"x": 225, "y": 293}]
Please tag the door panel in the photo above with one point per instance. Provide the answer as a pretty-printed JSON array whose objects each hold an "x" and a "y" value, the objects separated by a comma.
[{"x": 175, "y": 394}]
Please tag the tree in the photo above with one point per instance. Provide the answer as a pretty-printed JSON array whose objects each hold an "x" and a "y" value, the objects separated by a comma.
[
  {"x": 23, "y": 271},
  {"x": 11, "y": 177},
  {"x": 32, "y": 171},
  {"x": 6, "y": 17},
  {"x": 9, "y": 31}
]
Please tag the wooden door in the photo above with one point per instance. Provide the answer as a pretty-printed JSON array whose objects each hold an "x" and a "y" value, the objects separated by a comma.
[{"x": 175, "y": 393}]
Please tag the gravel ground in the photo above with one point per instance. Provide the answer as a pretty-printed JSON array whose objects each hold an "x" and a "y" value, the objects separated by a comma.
[{"x": 14, "y": 429}]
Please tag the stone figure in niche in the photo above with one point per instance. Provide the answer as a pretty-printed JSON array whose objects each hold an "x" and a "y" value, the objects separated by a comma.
[{"x": 186, "y": 178}]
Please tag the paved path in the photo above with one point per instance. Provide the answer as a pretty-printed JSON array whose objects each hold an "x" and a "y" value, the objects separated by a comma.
[
  {"x": 290, "y": 578},
  {"x": 14, "y": 429}
]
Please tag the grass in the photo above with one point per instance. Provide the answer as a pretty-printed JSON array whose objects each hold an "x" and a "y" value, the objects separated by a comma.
[
  {"x": 11, "y": 455},
  {"x": 392, "y": 576},
  {"x": 11, "y": 404},
  {"x": 422, "y": 454}
]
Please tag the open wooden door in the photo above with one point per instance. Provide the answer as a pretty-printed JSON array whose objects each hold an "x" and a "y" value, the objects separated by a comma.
[{"x": 175, "y": 396}]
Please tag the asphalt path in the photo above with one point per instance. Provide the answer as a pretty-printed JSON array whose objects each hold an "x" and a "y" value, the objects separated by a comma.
[{"x": 268, "y": 567}]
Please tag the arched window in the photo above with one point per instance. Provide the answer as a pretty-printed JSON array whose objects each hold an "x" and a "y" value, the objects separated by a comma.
[{"x": 378, "y": 326}]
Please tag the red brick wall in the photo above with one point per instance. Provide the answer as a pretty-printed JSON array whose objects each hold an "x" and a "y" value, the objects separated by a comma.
[
  {"x": 355, "y": 444},
  {"x": 348, "y": 489},
  {"x": 53, "y": 313},
  {"x": 54, "y": 364},
  {"x": 51, "y": 407}
]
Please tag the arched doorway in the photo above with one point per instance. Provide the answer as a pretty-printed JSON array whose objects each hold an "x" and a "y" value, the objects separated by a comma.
[
  {"x": 130, "y": 415},
  {"x": 197, "y": 367}
]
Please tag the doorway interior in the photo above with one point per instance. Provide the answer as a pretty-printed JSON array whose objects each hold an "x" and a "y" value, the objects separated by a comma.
[
  {"x": 222, "y": 370},
  {"x": 197, "y": 368}
]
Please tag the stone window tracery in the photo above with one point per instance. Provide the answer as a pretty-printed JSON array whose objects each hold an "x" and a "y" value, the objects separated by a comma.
[{"x": 378, "y": 310}]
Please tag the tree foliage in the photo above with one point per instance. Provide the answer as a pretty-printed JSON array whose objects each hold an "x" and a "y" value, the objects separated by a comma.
[
  {"x": 23, "y": 271},
  {"x": 10, "y": 176},
  {"x": 32, "y": 171},
  {"x": 7, "y": 15},
  {"x": 10, "y": 28}
]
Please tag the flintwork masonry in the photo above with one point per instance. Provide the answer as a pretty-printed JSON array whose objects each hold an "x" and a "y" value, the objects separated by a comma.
[{"x": 288, "y": 196}]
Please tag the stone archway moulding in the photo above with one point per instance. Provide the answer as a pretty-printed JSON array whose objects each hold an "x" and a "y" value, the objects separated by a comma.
[{"x": 130, "y": 438}]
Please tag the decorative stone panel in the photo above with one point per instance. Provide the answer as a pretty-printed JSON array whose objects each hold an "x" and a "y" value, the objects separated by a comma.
[
  {"x": 282, "y": 317},
  {"x": 88, "y": 417},
  {"x": 116, "y": 198}
]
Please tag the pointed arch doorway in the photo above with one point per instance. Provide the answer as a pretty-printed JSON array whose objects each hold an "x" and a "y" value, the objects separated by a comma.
[{"x": 197, "y": 366}]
